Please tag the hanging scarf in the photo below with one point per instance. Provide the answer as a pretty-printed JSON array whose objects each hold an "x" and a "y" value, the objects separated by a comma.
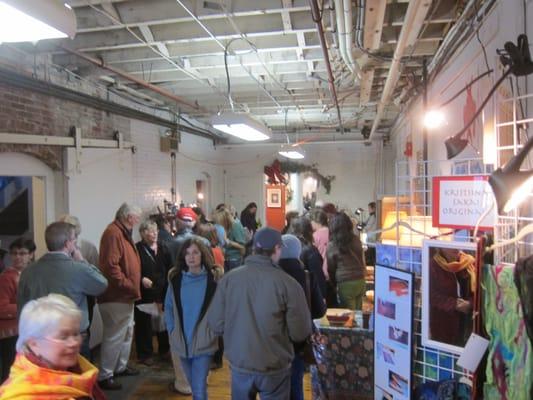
[
  {"x": 29, "y": 380},
  {"x": 466, "y": 261}
]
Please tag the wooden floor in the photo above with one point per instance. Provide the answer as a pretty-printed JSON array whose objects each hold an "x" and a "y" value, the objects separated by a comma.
[{"x": 153, "y": 384}]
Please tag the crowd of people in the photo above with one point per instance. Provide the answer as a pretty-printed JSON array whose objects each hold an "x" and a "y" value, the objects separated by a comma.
[{"x": 210, "y": 288}]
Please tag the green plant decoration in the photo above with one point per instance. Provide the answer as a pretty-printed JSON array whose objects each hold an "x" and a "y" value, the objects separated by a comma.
[{"x": 297, "y": 168}]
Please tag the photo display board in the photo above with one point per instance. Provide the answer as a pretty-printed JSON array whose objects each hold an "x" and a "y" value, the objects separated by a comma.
[{"x": 393, "y": 327}]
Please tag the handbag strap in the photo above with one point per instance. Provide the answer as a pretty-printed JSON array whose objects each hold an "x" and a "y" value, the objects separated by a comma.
[
  {"x": 308, "y": 297},
  {"x": 308, "y": 288}
]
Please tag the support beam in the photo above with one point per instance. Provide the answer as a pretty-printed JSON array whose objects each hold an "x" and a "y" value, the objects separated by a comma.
[
  {"x": 413, "y": 22},
  {"x": 140, "y": 82},
  {"x": 48, "y": 89},
  {"x": 374, "y": 19},
  {"x": 111, "y": 9},
  {"x": 65, "y": 141}
]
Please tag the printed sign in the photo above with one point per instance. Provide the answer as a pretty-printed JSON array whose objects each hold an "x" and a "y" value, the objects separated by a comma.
[
  {"x": 393, "y": 326},
  {"x": 459, "y": 202}
]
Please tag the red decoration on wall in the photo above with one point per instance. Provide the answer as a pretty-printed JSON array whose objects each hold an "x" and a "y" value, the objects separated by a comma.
[
  {"x": 274, "y": 174},
  {"x": 468, "y": 113},
  {"x": 408, "y": 151}
]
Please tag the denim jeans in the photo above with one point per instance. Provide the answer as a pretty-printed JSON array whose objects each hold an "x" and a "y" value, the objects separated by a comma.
[
  {"x": 231, "y": 264},
  {"x": 269, "y": 387},
  {"x": 196, "y": 370},
  {"x": 297, "y": 378}
]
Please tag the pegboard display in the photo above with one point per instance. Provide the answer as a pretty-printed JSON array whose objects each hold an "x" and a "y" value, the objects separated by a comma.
[{"x": 414, "y": 201}]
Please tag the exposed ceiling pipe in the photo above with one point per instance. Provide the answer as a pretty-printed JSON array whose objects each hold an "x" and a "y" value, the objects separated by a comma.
[
  {"x": 136, "y": 80},
  {"x": 279, "y": 143},
  {"x": 341, "y": 32},
  {"x": 413, "y": 22},
  {"x": 348, "y": 29},
  {"x": 458, "y": 34},
  {"x": 223, "y": 47},
  {"x": 318, "y": 21}
]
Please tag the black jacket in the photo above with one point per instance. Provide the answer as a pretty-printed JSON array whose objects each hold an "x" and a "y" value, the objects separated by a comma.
[
  {"x": 313, "y": 262},
  {"x": 294, "y": 268},
  {"x": 154, "y": 267}
]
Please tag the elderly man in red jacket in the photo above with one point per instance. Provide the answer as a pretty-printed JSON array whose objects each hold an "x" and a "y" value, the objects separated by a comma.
[{"x": 120, "y": 263}]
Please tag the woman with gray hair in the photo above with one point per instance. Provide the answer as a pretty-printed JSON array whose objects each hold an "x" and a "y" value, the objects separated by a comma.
[
  {"x": 155, "y": 264},
  {"x": 48, "y": 363}
]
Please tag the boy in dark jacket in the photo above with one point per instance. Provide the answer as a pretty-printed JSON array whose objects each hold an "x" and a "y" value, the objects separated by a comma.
[{"x": 290, "y": 262}]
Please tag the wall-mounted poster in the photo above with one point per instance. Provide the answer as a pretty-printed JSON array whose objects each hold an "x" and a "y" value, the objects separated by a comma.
[
  {"x": 448, "y": 291},
  {"x": 393, "y": 326},
  {"x": 274, "y": 197}
]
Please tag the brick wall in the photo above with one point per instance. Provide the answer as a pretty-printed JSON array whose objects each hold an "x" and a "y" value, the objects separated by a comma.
[{"x": 23, "y": 111}]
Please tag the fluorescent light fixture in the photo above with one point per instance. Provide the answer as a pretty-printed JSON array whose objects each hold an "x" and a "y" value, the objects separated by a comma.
[
  {"x": 30, "y": 21},
  {"x": 242, "y": 126},
  {"x": 292, "y": 154}
]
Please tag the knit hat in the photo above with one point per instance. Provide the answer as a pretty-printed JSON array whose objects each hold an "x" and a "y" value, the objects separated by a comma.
[
  {"x": 267, "y": 238},
  {"x": 292, "y": 247},
  {"x": 186, "y": 214}
]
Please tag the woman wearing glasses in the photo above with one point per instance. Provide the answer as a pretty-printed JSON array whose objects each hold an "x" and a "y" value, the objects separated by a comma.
[
  {"x": 48, "y": 363},
  {"x": 21, "y": 253}
]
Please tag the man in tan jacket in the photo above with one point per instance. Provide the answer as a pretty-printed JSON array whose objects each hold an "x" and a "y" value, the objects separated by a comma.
[{"x": 120, "y": 263}]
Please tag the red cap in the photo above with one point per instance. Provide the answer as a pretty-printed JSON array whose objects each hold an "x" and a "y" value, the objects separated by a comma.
[{"x": 186, "y": 214}]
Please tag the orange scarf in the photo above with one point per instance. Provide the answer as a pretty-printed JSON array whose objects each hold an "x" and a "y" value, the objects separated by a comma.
[
  {"x": 29, "y": 381},
  {"x": 466, "y": 261}
]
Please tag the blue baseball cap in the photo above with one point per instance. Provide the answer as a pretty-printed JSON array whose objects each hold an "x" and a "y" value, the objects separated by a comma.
[{"x": 267, "y": 238}]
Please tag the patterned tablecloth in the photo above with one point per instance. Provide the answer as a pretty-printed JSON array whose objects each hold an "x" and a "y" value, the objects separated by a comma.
[{"x": 345, "y": 364}]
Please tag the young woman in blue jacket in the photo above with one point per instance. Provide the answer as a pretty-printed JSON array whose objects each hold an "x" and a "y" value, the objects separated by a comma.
[{"x": 192, "y": 284}]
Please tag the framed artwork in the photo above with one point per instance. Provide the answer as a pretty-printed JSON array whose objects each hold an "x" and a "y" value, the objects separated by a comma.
[
  {"x": 274, "y": 197},
  {"x": 393, "y": 327},
  {"x": 448, "y": 293}
]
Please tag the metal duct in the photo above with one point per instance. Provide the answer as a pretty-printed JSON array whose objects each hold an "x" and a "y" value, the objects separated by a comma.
[{"x": 413, "y": 22}]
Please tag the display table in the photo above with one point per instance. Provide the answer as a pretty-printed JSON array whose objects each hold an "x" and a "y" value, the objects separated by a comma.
[{"x": 345, "y": 363}]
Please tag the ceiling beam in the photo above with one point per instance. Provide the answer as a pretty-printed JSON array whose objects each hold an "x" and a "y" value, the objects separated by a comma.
[
  {"x": 169, "y": 12},
  {"x": 413, "y": 23},
  {"x": 374, "y": 17}
]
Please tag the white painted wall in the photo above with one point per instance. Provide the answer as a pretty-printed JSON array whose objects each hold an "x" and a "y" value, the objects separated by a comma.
[
  {"x": 101, "y": 179},
  {"x": 196, "y": 159},
  {"x": 353, "y": 165},
  {"x": 504, "y": 23},
  {"x": 98, "y": 182}
]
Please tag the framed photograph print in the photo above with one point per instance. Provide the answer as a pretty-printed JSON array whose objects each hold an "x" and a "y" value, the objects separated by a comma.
[
  {"x": 448, "y": 292},
  {"x": 274, "y": 197},
  {"x": 393, "y": 327}
]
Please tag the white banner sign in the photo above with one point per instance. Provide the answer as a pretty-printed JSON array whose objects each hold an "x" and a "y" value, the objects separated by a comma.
[{"x": 459, "y": 202}]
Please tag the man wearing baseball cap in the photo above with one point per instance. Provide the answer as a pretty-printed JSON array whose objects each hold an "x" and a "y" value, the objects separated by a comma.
[
  {"x": 260, "y": 310},
  {"x": 186, "y": 220}
]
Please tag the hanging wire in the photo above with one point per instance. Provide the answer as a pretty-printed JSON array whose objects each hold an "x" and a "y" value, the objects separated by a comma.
[
  {"x": 267, "y": 70},
  {"x": 465, "y": 88},
  {"x": 479, "y": 40},
  {"x": 478, "y": 111},
  {"x": 155, "y": 50}
]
